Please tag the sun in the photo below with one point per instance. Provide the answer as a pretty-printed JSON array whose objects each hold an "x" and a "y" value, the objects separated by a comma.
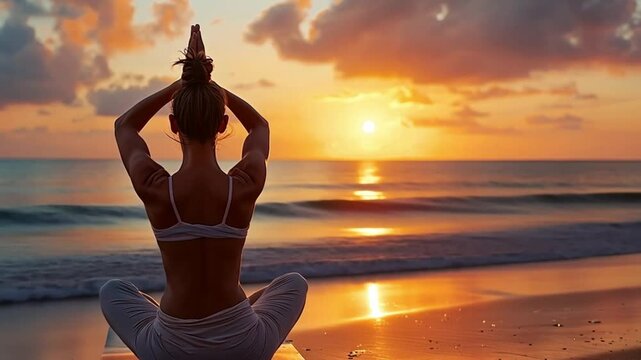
[{"x": 368, "y": 127}]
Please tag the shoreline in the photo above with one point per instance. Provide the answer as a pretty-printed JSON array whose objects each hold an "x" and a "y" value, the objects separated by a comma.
[{"x": 343, "y": 312}]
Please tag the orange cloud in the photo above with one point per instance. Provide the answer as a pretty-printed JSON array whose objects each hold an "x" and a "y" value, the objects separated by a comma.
[
  {"x": 399, "y": 95},
  {"x": 492, "y": 92},
  {"x": 260, "y": 83},
  {"x": 172, "y": 17},
  {"x": 32, "y": 72},
  {"x": 110, "y": 24},
  {"x": 464, "y": 120},
  {"x": 564, "y": 122},
  {"x": 432, "y": 41},
  {"x": 38, "y": 72}
]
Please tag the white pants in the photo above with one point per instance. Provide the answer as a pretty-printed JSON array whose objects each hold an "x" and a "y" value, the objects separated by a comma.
[{"x": 242, "y": 331}]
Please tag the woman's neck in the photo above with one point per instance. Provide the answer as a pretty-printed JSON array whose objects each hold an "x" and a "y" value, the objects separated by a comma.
[{"x": 199, "y": 156}]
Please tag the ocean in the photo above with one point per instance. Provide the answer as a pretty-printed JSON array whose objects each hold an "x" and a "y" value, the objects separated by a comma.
[{"x": 67, "y": 226}]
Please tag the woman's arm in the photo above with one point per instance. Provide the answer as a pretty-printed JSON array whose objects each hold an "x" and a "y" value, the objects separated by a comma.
[
  {"x": 142, "y": 169},
  {"x": 256, "y": 145},
  {"x": 256, "y": 125}
]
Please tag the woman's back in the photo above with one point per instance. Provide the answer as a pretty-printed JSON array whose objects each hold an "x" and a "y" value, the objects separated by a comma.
[{"x": 202, "y": 272}]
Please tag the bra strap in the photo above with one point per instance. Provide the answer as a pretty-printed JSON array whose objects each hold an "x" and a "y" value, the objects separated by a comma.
[
  {"x": 171, "y": 198},
  {"x": 228, "y": 201}
]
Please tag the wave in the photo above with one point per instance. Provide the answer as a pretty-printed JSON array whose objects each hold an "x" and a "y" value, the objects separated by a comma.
[
  {"x": 108, "y": 214},
  {"x": 490, "y": 184},
  {"x": 69, "y": 214},
  {"x": 81, "y": 276},
  {"x": 470, "y": 204}
]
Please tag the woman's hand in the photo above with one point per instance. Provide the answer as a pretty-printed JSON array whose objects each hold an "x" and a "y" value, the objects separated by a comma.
[{"x": 196, "y": 45}]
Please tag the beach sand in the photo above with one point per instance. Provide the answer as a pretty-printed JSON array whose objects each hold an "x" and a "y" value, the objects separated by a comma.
[
  {"x": 590, "y": 325},
  {"x": 579, "y": 309}
]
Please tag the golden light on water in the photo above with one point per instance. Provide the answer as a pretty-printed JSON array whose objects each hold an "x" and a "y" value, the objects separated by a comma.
[
  {"x": 369, "y": 195},
  {"x": 373, "y": 298},
  {"x": 368, "y": 173},
  {"x": 371, "y": 231}
]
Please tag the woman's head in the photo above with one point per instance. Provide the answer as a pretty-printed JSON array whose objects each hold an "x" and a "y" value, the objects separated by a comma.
[{"x": 198, "y": 108}]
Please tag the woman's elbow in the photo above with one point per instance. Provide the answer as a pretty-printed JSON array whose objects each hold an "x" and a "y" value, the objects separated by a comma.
[
  {"x": 118, "y": 123},
  {"x": 264, "y": 122},
  {"x": 121, "y": 123}
]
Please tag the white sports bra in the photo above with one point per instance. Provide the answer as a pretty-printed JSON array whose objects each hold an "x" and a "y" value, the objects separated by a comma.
[{"x": 186, "y": 231}]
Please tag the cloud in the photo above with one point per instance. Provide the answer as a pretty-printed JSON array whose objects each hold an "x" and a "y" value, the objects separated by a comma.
[
  {"x": 171, "y": 18},
  {"x": 469, "y": 113},
  {"x": 110, "y": 24},
  {"x": 407, "y": 95},
  {"x": 132, "y": 77},
  {"x": 564, "y": 122},
  {"x": 465, "y": 121},
  {"x": 26, "y": 131},
  {"x": 571, "y": 91},
  {"x": 30, "y": 72},
  {"x": 86, "y": 33},
  {"x": 261, "y": 83},
  {"x": 115, "y": 100},
  {"x": 455, "y": 41},
  {"x": 399, "y": 95},
  {"x": 347, "y": 97},
  {"x": 495, "y": 91},
  {"x": 560, "y": 105}
]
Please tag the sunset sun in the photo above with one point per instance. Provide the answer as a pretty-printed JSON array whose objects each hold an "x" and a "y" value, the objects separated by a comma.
[{"x": 368, "y": 127}]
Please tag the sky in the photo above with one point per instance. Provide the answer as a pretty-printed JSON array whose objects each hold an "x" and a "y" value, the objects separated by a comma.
[{"x": 338, "y": 80}]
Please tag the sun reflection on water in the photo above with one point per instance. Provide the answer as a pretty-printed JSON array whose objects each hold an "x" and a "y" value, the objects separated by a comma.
[
  {"x": 371, "y": 231},
  {"x": 368, "y": 173},
  {"x": 369, "y": 195},
  {"x": 373, "y": 297}
]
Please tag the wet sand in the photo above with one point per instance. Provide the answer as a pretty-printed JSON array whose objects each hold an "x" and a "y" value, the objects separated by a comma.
[
  {"x": 582, "y": 309},
  {"x": 591, "y": 325},
  {"x": 585, "y": 309}
]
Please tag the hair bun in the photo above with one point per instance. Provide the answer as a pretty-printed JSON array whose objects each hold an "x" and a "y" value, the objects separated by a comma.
[{"x": 197, "y": 68}]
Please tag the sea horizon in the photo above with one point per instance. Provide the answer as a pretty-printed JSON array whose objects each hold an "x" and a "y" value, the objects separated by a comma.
[{"x": 160, "y": 159}]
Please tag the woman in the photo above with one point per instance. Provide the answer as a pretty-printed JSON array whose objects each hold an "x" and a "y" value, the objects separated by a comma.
[{"x": 200, "y": 217}]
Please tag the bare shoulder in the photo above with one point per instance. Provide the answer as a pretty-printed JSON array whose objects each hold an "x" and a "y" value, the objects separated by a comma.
[
  {"x": 155, "y": 188},
  {"x": 250, "y": 173}
]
